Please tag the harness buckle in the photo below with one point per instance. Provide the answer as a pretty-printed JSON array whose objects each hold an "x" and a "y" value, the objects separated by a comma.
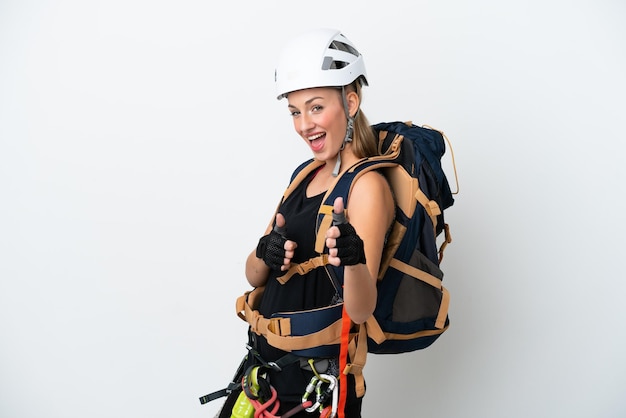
[{"x": 275, "y": 366}]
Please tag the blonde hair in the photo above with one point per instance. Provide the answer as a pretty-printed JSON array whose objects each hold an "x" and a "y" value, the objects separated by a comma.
[{"x": 364, "y": 142}]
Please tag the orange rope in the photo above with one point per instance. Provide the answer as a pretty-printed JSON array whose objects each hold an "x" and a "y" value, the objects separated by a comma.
[{"x": 343, "y": 362}]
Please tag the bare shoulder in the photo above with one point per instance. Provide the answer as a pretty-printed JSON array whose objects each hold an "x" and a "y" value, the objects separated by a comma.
[
  {"x": 372, "y": 182},
  {"x": 371, "y": 193}
]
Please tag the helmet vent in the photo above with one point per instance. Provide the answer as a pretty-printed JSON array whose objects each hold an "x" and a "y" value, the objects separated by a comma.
[
  {"x": 342, "y": 46},
  {"x": 333, "y": 64}
]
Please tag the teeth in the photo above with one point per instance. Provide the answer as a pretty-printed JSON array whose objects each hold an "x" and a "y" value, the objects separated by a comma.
[{"x": 311, "y": 138}]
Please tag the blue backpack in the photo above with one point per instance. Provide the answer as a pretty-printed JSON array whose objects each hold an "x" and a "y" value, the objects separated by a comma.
[{"x": 412, "y": 307}]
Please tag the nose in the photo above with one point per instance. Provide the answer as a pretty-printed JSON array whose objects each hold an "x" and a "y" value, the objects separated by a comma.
[{"x": 305, "y": 122}]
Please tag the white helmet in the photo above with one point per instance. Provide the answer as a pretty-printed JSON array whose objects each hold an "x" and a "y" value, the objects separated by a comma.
[{"x": 318, "y": 58}]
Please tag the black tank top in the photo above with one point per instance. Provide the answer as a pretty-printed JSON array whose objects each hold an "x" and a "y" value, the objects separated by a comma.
[{"x": 313, "y": 290}]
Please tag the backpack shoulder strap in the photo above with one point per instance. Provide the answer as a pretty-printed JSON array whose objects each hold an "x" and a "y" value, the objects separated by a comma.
[
  {"x": 298, "y": 175},
  {"x": 342, "y": 187}
]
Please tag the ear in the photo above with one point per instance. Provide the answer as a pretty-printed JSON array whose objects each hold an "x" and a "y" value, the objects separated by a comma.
[{"x": 353, "y": 102}]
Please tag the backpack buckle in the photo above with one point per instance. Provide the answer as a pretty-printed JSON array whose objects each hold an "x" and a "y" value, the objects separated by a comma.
[{"x": 311, "y": 264}]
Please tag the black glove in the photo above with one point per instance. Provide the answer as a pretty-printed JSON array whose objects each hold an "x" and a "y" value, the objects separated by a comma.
[
  {"x": 271, "y": 248},
  {"x": 349, "y": 244}
]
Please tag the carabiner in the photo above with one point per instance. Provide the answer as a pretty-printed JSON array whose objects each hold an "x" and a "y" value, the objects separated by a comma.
[
  {"x": 308, "y": 391},
  {"x": 322, "y": 395},
  {"x": 334, "y": 386}
]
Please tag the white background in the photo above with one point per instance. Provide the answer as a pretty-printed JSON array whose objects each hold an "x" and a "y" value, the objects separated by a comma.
[{"x": 142, "y": 153}]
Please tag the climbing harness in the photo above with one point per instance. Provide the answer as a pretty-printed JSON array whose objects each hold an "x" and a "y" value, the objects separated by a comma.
[{"x": 259, "y": 398}]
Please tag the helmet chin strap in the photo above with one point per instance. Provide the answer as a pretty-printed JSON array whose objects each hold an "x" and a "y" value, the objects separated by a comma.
[{"x": 349, "y": 131}]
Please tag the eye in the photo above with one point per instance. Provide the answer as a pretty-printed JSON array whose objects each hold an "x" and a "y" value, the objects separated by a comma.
[
  {"x": 294, "y": 113},
  {"x": 316, "y": 108}
]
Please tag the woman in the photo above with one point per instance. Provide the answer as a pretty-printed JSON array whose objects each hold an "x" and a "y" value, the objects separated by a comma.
[{"x": 320, "y": 74}]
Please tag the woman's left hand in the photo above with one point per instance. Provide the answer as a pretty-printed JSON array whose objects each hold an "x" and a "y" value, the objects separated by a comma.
[{"x": 345, "y": 247}]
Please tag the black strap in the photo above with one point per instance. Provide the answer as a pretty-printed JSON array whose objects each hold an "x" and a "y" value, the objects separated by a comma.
[
  {"x": 219, "y": 393},
  {"x": 277, "y": 365},
  {"x": 235, "y": 382}
]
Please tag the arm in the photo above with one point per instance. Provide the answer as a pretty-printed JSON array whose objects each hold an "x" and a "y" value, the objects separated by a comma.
[
  {"x": 256, "y": 270},
  {"x": 371, "y": 212}
]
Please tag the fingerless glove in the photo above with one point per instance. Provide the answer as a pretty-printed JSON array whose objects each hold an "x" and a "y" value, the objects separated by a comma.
[
  {"x": 349, "y": 246},
  {"x": 271, "y": 249}
]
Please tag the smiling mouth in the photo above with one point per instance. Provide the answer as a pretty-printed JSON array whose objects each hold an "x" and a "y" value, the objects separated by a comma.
[
  {"x": 317, "y": 141},
  {"x": 314, "y": 137}
]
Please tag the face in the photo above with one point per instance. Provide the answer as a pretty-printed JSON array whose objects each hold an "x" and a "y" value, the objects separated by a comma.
[{"x": 319, "y": 118}]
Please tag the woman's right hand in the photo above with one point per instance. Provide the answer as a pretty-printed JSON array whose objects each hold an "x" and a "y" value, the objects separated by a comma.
[{"x": 275, "y": 249}]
